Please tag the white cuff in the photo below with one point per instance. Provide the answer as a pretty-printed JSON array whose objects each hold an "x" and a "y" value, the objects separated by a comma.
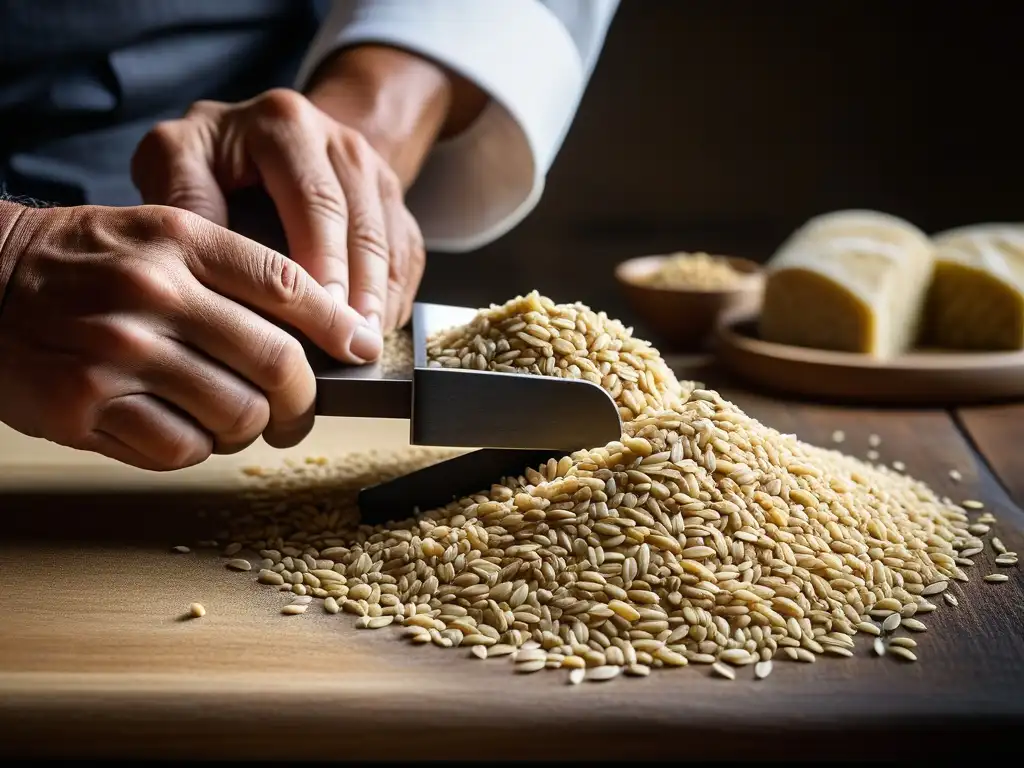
[{"x": 479, "y": 185}]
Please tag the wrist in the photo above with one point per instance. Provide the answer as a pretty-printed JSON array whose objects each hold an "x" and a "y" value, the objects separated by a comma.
[
  {"x": 400, "y": 102},
  {"x": 10, "y": 214}
]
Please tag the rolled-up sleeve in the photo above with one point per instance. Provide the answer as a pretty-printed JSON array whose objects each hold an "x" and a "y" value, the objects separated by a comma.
[{"x": 532, "y": 58}]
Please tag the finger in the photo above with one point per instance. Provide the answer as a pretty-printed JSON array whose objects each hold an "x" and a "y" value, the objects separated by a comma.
[
  {"x": 155, "y": 431},
  {"x": 297, "y": 175},
  {"x": 233, "y": 411},
  {"x": 415, "y": 266},
  {"x": 368, "y": 246},
  {"x": 278, "y": 287},
  {"x": 398, "y": 236},
  {"x": 270, "y": 359},
  {"x": 173, "y": 165},
  {"x": 114, "y": 448}
]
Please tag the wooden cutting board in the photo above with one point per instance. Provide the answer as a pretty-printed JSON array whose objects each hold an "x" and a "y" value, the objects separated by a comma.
[{"x": 96, "y": 661}]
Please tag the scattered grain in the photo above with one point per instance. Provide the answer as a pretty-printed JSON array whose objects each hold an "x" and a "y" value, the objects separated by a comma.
[
  {"x": 182, "y": 550},
  {"x": 878, "y": 646},
  {"x": 903, "y": 642},
  {"x": 838, "y": 436},
  {"x": 576, "y": 675},
  {"x": 935, "y": 588},
  {"x": 868, "y": 628},
  {"x": 903, "y": 653},
  {"x": 722, "y": 670},
  {"x": 239, "y": 565},
  {"x": 997, "y": 578},
  {"x": 294, "y": 610},
  {"x": 196, "y": 610},
  {"x": 534, "y": 665},
  {"x": 955, "y": 475},
  {"x": 972, "y": 504},
  {"x": 762, "y": 669},
  {"x": 998, "y": 546},
  {"x": 915, "y": 625},
  {"x": 603, "y": 673}
]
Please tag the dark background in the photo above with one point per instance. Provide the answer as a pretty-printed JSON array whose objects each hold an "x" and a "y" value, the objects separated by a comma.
[{"x": 722, "y": 125}]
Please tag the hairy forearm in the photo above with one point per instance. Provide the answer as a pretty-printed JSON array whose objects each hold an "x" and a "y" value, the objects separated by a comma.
[{"x": 400, "y": 102}]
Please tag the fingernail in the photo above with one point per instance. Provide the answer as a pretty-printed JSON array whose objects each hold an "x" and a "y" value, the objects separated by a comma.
[
  {"x": 374, "y": 322},
  {"x": 367, "y": 343}
]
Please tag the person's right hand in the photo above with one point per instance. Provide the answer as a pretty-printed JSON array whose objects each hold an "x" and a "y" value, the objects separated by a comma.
[{"x": 139, "y": 333}]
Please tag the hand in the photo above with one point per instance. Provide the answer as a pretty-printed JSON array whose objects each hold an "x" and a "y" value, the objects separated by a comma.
[
  {"x": 139, "y": 333},
  {"x": 341, "y": 206}
]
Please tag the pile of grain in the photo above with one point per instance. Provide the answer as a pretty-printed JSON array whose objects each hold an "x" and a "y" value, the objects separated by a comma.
[
  {"x": 694, "y": 271},
  {"x": 702, "y": 536},
  {"x": 531, "y": 334}
]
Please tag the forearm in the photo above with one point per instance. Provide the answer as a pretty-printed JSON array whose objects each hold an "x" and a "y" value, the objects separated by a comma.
[{"x": 400, "y": 102}]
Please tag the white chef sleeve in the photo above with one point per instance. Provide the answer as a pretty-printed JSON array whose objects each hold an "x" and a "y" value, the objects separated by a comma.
[{"x": 533, "y": 58}]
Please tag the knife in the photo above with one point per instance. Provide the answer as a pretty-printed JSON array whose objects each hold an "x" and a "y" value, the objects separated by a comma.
[{"x": 512, "y": 420}]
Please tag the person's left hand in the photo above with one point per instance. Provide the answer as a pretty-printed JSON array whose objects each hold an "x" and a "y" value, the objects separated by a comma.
[{"x": 341, "y": 206}]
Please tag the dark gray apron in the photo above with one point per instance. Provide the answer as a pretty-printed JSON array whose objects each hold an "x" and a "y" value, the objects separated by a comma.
[{"x": 81, "y": 81}]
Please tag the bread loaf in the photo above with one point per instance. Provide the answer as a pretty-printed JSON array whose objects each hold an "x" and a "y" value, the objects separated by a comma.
[
  {"x": 850, "y": 281},
  {"x": 976, "y": 299}
]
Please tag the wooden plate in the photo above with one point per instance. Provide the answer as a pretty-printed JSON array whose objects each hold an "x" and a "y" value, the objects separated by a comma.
[{"x": 925, "y": 378}]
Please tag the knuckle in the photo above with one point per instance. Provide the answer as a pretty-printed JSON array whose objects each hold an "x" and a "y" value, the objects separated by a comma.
[
  {"x": 324, "y": 199},
  {"x": 283, "y": 279},
  {"x": 284, "y": 104},
  {"x": 164, "y": 138},
  {"x": 145, "y": 286},
  {"x": 176, "y": 224},
  {"x": 154, "y": 150},
  {"x": 281, "y": 361},
  {"x": 369, "y": 238},
  {"x": 357, "y": 150},
  {"x": 390, "y": 188},
  {"x": 184, "y": 448},
  {"x": 82, "y": 391},
  {"x": 123, "y": 342},
  {"x": 204, "y": 108},
  {"x": 251, "y": 416}
]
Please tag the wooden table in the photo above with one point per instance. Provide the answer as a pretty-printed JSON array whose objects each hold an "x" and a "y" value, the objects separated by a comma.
[{"x": 95, "y": 659}]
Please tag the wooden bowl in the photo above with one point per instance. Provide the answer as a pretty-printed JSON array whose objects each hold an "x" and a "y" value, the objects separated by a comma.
[{"x": 685, "y": 319}]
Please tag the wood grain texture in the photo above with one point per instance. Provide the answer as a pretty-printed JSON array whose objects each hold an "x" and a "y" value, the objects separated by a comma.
[
  {"x": 95, "y": 658},
  {"x": 997, "y": 433}
]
